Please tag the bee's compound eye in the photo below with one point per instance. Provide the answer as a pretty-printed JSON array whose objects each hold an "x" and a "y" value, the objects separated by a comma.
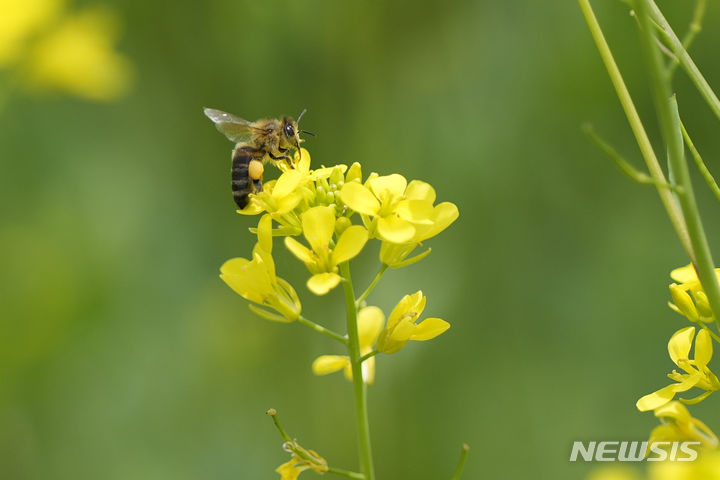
[
  {"x": 289, "y": 130},
  {"x": 255, "y": 169}
]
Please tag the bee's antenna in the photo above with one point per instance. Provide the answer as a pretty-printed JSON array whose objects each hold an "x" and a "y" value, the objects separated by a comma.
[
  {"x": 309, "y": 133},
  {"x": 301, "y": 114}
]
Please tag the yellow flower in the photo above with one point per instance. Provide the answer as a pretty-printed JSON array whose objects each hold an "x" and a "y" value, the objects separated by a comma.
[
  {"x": 401, "y": 325},
  {"x": 679, "y": 426},
  {"x": 291, "y": 469},
  {"x": 255, "y": 279},
  {"x": 370, "y": 323},
  {"x": 279, "y": 196},
  {"x": 318, "y": 225},
  {"x": 19, "y": 21},
  {"x": 442, "y": 216},
  {"x": 302, "y": 459},
  {"x": 77, "y": 56},
  {"x": 697, "y": 372},
  {"x": 399, "y": 210},
  {"x": 688, "y": 296}
]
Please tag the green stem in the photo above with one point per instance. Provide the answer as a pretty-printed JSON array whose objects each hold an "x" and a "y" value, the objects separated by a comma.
[
  {"x": 273, "y": 413},
  {"x": 461, "y": 463},
  {"x": 346, "y": 473},
  {"x": 319, "y": 328},
  {"x": 669, "y": 118},
  {"x": 666, "y": 196},
  {"x": 684, "y": 58},
  {"x": 369, "y": 355},
  {"x": 370, "y": 288},
  {"x": 359, "y": 387}
]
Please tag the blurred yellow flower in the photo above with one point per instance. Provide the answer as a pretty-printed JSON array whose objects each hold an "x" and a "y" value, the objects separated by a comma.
[
  {"x": 697, "y": 372},
  {"x": 370, "y": 323},
  {"x": 318, "y": 226},
  {"x": 76, "y": 56},
  {"x": 401, "y": 326},
  {"x": 255, "y": 279},
  {"x": 20, "y": 20},
  {"x": 614, "y": 472},
  {"x": 679, "y": 426}
]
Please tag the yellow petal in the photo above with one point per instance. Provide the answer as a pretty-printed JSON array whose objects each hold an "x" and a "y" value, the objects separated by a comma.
[
  {"x": 683, "y": 302},
  {"x": 354, "y": 173},
  {"x": 403, "y": 331},
  {"x": 388, "y": 186},
  {"x": 322, "y": 283},
  {"x": 370, "y": 323},
  {"x": 680, "y": 343},
  {"x": 286, "y": 183},
  {"x": 350, "y": 243},
  {"x": 674, "y": 410},
  {"x": 264, "y": 233},
  {"x": 303, "y": 253},
  {"x": 252, "y": 208},
  {"x": 410, "y": 305},
  {"x": 359, "y": 198},
  {"x": 288, "y": 203},
  {"x": 233, "y": 266},
  {"x": 326, "y": 364},
  {"x": 656, "y": 399},
  {"x": 443, "y": 216},
  {"x": 415, "y": 211},
  {"x": 368, "y": 371},
  {"x": 302, "y": 160},
  {"x": 703, "y": 348},
  {"x": 429, "y": 328},
  {"x": 418, "y": 190},
  {"x": 684, "y": 274},
  {"x": 394, "y": 229},
  {"x": 318, "y": 227}
]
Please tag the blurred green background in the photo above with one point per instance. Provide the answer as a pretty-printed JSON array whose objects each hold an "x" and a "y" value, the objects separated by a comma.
[{"x": 123, "y": 355}]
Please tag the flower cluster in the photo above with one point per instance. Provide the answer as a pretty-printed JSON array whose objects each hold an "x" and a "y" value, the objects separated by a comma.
[
  {"x": 327, "y": 217},
  {"x": 53, "y": 49},
  {"x": 677, "y": 424},
  {"x": 321, "y": 204}
]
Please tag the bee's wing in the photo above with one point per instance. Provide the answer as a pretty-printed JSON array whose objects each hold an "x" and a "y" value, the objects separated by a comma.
[{"x": 234, "y": 128}]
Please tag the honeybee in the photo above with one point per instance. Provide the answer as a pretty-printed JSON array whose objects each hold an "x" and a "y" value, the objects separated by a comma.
[{"x": 256, "y": 143}]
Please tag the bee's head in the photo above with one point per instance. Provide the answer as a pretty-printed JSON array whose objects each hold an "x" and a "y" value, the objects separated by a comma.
[{"x": 291, "y": 132}]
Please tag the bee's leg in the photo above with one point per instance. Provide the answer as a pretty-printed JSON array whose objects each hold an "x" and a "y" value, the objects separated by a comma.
[{"x": 282, "y": 157}]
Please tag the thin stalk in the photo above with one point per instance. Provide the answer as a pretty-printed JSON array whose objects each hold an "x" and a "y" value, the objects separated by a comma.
[
  {"x": 684, "y": 58},
  {"x": 461, "y": 463},
  {"x": 693, "y": 30},
  {"x": 656, "y": 172},
  {"x": 669, "y": 118},
  {"x": 370, "y": 288},
  {"x": 709, "y": 179},
  {"x": 319, "y": 328},
  {"x": 368, "y": 356},
  {"x": 359, "y": 387}
]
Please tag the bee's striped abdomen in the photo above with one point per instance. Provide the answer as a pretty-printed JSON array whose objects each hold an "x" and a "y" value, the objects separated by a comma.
[{"x": 242, "y": 184}]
